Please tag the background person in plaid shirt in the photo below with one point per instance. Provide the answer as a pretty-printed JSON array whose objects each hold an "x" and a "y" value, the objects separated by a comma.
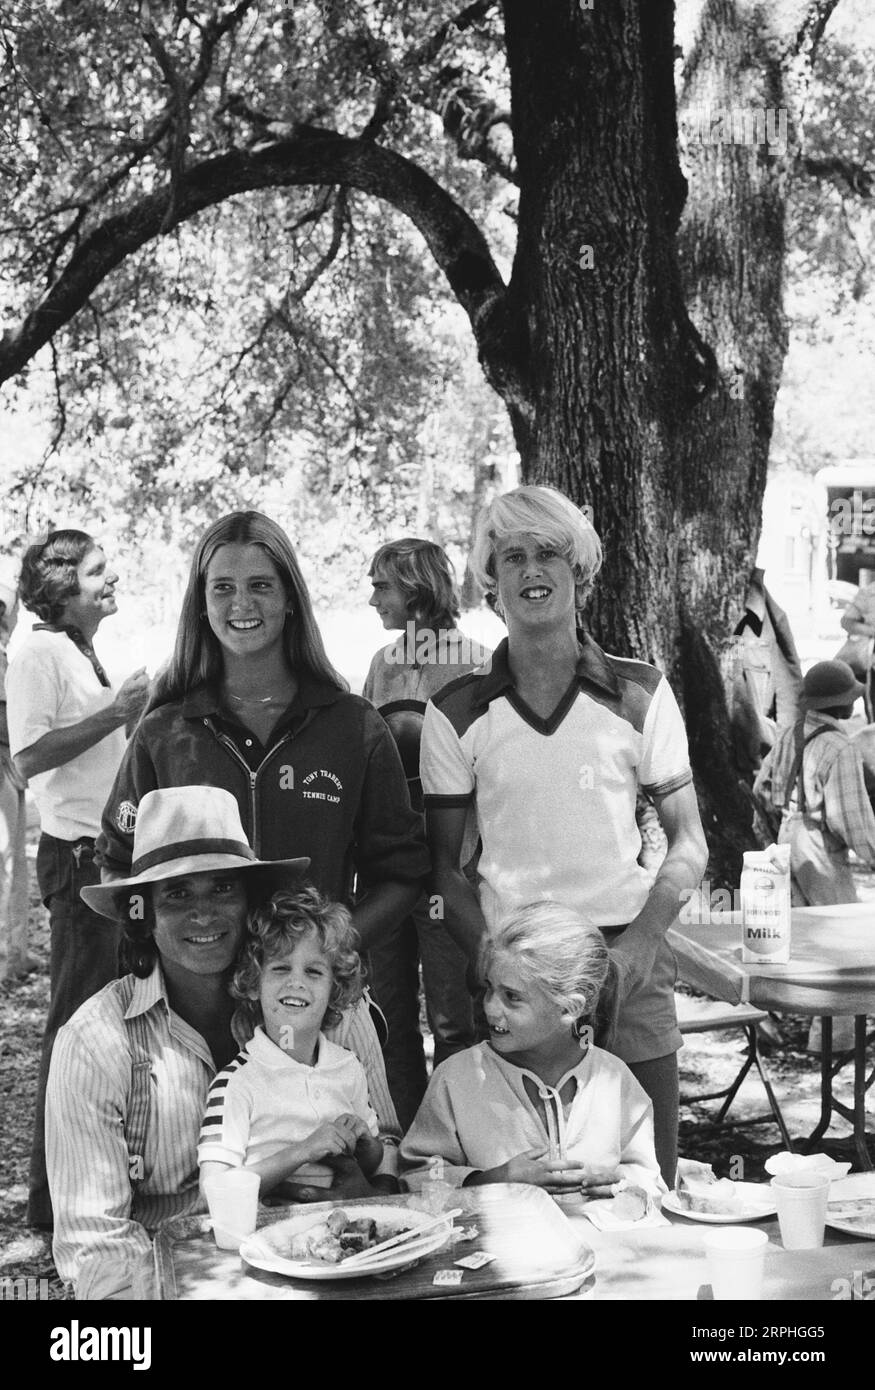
[
  {"x": 814, "y": 775},
  {"x": 824, "y": 805}
]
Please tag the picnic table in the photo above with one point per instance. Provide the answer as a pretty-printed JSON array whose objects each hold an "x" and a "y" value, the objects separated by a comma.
[
  {"x": 831, "y": 972},
  {"x": 539, "y": 1252}
]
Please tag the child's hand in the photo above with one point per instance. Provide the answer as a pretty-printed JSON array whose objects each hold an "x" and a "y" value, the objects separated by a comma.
[
  {"x": 601, "y": 1182},
  {"x": 328, "y": 1141},
  {"x": 536, "y": 1167},
  {"x": 354, "y": 1126}
]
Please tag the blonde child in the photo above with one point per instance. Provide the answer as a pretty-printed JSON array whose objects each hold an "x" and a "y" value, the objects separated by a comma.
[
  {"x": 540, "y": 1102},
  {"x": 291, "y": 1100}
]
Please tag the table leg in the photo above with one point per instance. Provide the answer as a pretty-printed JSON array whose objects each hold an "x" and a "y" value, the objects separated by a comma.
[
  {"x": 830, "y": 1106},
  {"x": 826, "y": 1101},
  {"x": 860, "y": 1093}
]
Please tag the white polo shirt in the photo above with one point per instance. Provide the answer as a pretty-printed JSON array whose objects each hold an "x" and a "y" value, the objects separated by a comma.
[
  {"x": 555, "y": 799},
  {"x": 51, "y": 685},
  {"x": 264, "y": 1100}
]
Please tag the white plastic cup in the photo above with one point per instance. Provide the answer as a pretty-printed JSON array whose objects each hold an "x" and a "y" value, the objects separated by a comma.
[
  {"x": 233, "y": 1201},
  {"x": 801, "y": 1199},
  {"x": 736, "y": 1258}
]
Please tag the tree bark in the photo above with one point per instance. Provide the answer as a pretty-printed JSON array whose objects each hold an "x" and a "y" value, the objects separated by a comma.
[
  {"x": 629, "y": 412},
  {"x": 750, "y": 63}
]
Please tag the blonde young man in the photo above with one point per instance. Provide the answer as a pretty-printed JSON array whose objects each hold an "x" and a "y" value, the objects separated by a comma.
[{"x": 551, "y": 748}]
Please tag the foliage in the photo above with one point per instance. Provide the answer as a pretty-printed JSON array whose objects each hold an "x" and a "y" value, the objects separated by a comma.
[{"x": 247, "y": 358}]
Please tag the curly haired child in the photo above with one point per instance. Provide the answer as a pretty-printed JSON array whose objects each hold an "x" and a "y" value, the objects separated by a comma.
[{"x": 291, "y": 1101}]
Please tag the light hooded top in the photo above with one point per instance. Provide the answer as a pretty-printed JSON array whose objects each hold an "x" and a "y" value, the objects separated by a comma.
[
  {"x": 555, "y": 798},
  {"x": 265, "y": 1100},
  {"x": 477, "y": 1114},
  {"x": 52, "y": 685}
]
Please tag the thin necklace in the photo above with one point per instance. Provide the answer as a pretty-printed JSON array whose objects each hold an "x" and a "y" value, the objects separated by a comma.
[{"x": 251, "y": 699}]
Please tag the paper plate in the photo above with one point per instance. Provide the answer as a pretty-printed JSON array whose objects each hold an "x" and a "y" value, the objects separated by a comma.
[
  {"x": 756, "y": 1203},
  {"x": 264, "y": 1250},
  {"x": 852, "y": 1206}
]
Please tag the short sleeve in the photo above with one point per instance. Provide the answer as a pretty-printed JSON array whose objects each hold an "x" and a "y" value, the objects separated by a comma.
[
  {"x": 445, "y": 768},
  {"x": 224, "y": 1136},
  {"x": 33, "y": 696},
  {"x": 665, "y": 762}
]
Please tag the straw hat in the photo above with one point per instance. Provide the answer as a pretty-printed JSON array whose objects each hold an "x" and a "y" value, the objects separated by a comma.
[
  {"x": 830, "y": 683},
  {"x": 191, "y": 830}
]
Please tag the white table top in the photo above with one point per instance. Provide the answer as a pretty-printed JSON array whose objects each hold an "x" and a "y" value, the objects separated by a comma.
[
  {"x": 668, "y": 1263},
  {"x": 831, "y": 968}
]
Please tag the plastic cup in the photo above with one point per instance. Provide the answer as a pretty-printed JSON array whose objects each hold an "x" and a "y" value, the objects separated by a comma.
[
  {"x": 801, "y": 1199},
  {"x": 233, "y": 1203},
  {"x": 736, "y": 1257}
]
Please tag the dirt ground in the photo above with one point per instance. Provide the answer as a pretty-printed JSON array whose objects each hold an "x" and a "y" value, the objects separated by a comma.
[{"x": 708, "y": 1061}]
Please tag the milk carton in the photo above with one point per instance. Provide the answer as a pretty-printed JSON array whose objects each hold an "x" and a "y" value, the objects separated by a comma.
[{"x": 765, "y": 906}]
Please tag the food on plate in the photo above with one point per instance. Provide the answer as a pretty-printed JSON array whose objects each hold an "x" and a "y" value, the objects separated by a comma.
[
  {"x": 699, "y": 1189},
  {"x": 338, "y": 1237},
  {"x": 853, "y": 1211},
  {"x": 358, "y": 1235},
  {"x": 631, "y": 1204}
]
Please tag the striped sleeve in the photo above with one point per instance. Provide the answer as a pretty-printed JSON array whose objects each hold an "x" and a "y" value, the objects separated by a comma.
[
  {"x": 356, "y": 1032},
  {"x": 227, "y": 1122},
  {"x": 97, "y": 1246}
]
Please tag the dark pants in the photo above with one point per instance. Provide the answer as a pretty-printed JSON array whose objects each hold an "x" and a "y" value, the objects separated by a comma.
[
  {"x": 394, "y": 981},
  {"x": 84, "y": 958}
]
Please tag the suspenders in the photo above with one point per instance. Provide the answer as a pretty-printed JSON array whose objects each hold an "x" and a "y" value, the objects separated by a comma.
[
  {"x": 795, "y": 778},
  {"x": 137, "y": 1118}
]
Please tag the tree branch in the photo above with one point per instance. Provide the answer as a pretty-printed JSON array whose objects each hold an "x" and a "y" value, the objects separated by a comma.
[
  {"x": 840, "y": 171},
  {"x": 294, "y": 295},
  {"x": 810, "y": 31},
  {"x": 311, "y": 158},
  {"x": 178, "y": 113},
  {"x": 180, "y": 100},
  {"x": 427, "y": 51}
]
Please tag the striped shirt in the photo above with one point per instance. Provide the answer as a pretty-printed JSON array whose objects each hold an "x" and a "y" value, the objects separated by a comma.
[
  {"x": 266, "y": 1100},
  {"x": 835, "y": 788},
  {"x": 102, "y": 1228}
]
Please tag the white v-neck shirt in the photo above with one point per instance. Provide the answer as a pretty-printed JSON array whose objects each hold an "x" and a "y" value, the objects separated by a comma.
[{"x": 555, "y": 799}]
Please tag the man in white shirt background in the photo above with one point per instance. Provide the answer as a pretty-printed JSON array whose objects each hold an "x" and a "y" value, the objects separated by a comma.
[{"x": 67, "y": 737}]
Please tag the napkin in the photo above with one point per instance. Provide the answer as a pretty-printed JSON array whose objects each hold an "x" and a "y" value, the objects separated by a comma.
[
  {"x": 600, "y": 1213},
  {"x": 786, "y": 1162}
]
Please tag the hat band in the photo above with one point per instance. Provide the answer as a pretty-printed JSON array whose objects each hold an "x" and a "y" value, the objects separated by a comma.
[{"x": 182, "y": 849}]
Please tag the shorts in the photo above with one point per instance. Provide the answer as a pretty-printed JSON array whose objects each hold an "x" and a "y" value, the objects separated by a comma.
[{"x": 647, "y": 1025}]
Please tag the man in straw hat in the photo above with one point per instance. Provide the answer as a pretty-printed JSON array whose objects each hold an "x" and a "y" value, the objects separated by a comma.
[
  {"x": 131, "y": 1070},
  {"x": 813, "y": 776}
]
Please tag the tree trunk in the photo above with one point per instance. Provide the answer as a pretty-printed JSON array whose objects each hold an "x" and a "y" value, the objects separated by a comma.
[
  {"x": 745, "y": 85},
  {"x": 629, "y": 412}
]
